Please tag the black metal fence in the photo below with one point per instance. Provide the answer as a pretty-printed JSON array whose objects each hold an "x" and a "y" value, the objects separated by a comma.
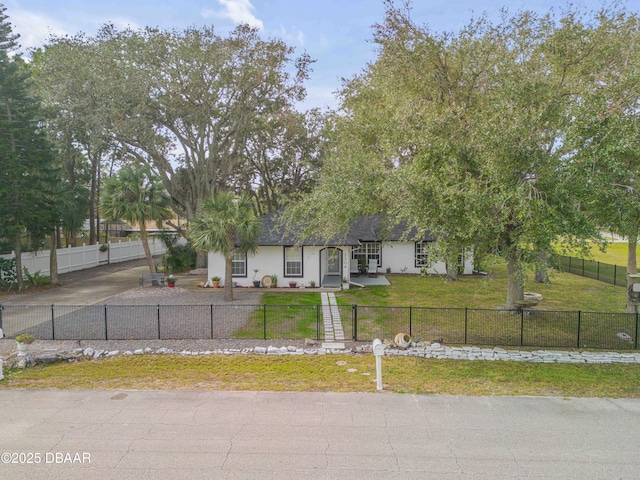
[
  {"x": 530, "y": 328},
  {"x": 605, "y": 272}
]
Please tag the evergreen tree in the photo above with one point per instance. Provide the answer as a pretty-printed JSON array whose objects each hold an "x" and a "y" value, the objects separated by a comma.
[{"x": 27, "y": 176}]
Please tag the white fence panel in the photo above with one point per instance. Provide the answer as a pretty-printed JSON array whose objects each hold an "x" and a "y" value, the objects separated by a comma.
[{"x": 71, "y": 259}]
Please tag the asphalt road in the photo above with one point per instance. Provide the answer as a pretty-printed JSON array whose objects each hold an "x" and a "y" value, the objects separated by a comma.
[{"x": 237, "y": 435}]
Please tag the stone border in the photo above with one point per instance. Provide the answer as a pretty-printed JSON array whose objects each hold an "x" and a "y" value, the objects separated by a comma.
[{"x": 428, "y": 351}]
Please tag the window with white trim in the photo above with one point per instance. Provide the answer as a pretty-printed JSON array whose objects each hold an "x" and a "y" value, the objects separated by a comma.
[
  {"x": 292, "y": 261},
  {"x": 239, "y": 264},
  {"x": 367, "y": 251},
  {"x": 422, "y": 254}
]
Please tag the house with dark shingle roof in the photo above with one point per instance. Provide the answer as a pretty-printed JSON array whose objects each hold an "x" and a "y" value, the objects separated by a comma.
[{"x": 369, "y": 239}]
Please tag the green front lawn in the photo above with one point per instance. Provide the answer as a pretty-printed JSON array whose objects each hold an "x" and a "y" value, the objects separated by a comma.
[
  {"x": 564, "y": 292},
  {"x": 438, "y": 312},
  {"x": 288, "y": 315},
  {"x": 614, "y": 254}
]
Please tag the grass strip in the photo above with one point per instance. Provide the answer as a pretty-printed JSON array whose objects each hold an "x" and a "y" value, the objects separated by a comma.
[{"x": 332, "y": 373}]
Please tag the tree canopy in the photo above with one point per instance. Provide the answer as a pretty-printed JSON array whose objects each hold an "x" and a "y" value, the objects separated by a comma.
[
  {"x": 137, "y": 196},
  {"x": 226, "y": 224},
  {"x": 192, "y": 105},
  {"x": 465, "y": 134}
]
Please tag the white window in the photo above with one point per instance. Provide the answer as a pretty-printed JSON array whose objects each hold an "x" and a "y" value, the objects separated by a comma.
[
  {"x": 239, "y": 264},
  {"x": 367, "y": 251},
  {"x": 422, "y": 254},
  {"x": 292, "y": 262}
]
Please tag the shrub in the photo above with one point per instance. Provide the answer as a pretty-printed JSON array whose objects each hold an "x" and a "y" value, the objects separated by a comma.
[
  {"x": 36, "y": 279},
  {"x": 7, "y": 273},
  {"x": 25, "y": 338},
  {"x": 178, "y": 257}
]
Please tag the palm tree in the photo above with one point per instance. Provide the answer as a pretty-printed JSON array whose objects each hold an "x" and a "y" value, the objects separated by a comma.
[
  {"x": 226, "y": 224},
  {"x": 136, "y": 195}
]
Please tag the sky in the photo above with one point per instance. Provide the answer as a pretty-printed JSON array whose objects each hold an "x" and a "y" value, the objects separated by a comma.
[{"x": 335, "y": 33}]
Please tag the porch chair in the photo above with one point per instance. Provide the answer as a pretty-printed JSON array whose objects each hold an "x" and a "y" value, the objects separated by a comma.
[
  {"x": 372, "y": 269},
  {"x": 354, "y": 269}
]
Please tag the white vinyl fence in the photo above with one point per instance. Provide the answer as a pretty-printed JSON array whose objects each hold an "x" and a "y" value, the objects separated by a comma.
[{"x": 87, "y": 256}]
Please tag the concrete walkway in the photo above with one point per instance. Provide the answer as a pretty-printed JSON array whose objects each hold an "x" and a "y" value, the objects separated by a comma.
[
  {"x": 236, "y": 435},
  {"x": 332, "y": 322}
]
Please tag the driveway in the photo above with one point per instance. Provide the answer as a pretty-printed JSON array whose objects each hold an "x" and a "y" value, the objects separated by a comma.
[{"x": 86, "y": 292}]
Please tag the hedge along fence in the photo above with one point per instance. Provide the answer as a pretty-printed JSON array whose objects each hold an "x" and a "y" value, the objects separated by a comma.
[
  {"x": 462, "y": 326},
  {"x": 605, "y": 272}
]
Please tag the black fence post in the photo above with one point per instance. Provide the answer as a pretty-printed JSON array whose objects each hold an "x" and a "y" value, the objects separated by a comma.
[
  {"x": 521, "y": 326},
  {"x": 211, "y": 319},
  {"x": 158, "y": 314},
  {"x": 106, "y": 325},
  {"x": 466, "y": 324},
  {"x": 318, "y": 322},
  {"x": 615, "y": 271},
  {"x": 1, "y": 310},
  {"x": 354, "y": 316},
  {"x": 636, "y": 342},
  {"x": 410, "y": 320},
  {"x": 264, "y": 321},
  {"x": 53, "y": 326},
  {"x": 579, "y": 326}
]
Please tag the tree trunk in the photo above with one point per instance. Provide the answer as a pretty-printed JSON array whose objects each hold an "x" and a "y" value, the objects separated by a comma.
[
  {"x": 93, "y": 198},
  {"x": 632, "y": 267},
  {"x": 542, "y": 268},
  {"x": 201, "y": 259},
  {"x": 53, "y": 257},
  {"x": 515, "y": 286},
  {"x": 145, "y": 246},
  {"x": 18, "y": 249},
  {"x": 228, "y": 278},
  {"x": 452, "y": 272}
]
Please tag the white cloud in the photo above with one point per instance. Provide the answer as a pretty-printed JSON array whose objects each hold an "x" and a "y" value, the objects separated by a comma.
[
  {"x": 238, "y": 11},
  {"x": 291, "y": 37},
  {"x": 34, "y": 29}
]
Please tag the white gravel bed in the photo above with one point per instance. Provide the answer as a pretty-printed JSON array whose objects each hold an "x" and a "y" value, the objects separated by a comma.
[{"x": 180, "y": 296}]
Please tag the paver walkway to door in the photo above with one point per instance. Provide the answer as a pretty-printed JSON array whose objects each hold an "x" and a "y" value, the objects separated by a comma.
[{"x": 331, "y": 318}]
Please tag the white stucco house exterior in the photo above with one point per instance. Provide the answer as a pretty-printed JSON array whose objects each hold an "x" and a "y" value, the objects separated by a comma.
[{"x": 329, "y": 262}]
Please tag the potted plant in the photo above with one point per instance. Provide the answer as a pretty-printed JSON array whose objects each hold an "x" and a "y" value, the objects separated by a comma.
[
  {"x": 345, "y": 284},
  {"x": 256, "y": 283},
  {"x": 274, "y": 280},
  {"x": 402, "y": 340},
  {"x": 312, "y": 284},
  {"x": 23, "y": 341},
  {"x": 293, "y": 284},
  {"x": 215, "y": 282},
  {"x": 171, "y": 281}
]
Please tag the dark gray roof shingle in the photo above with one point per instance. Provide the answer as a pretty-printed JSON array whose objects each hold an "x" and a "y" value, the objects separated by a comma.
[{"x": 369, "y": 228}]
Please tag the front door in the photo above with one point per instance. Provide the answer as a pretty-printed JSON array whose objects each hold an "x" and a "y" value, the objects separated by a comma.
[{"x": 333, "y": 261}]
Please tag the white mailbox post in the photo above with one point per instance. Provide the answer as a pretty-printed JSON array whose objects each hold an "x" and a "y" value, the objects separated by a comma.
[{"x": 378, "y": 351}]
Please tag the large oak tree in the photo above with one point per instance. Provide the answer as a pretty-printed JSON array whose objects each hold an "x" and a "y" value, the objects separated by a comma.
[{"x": 462, "y": 133}]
